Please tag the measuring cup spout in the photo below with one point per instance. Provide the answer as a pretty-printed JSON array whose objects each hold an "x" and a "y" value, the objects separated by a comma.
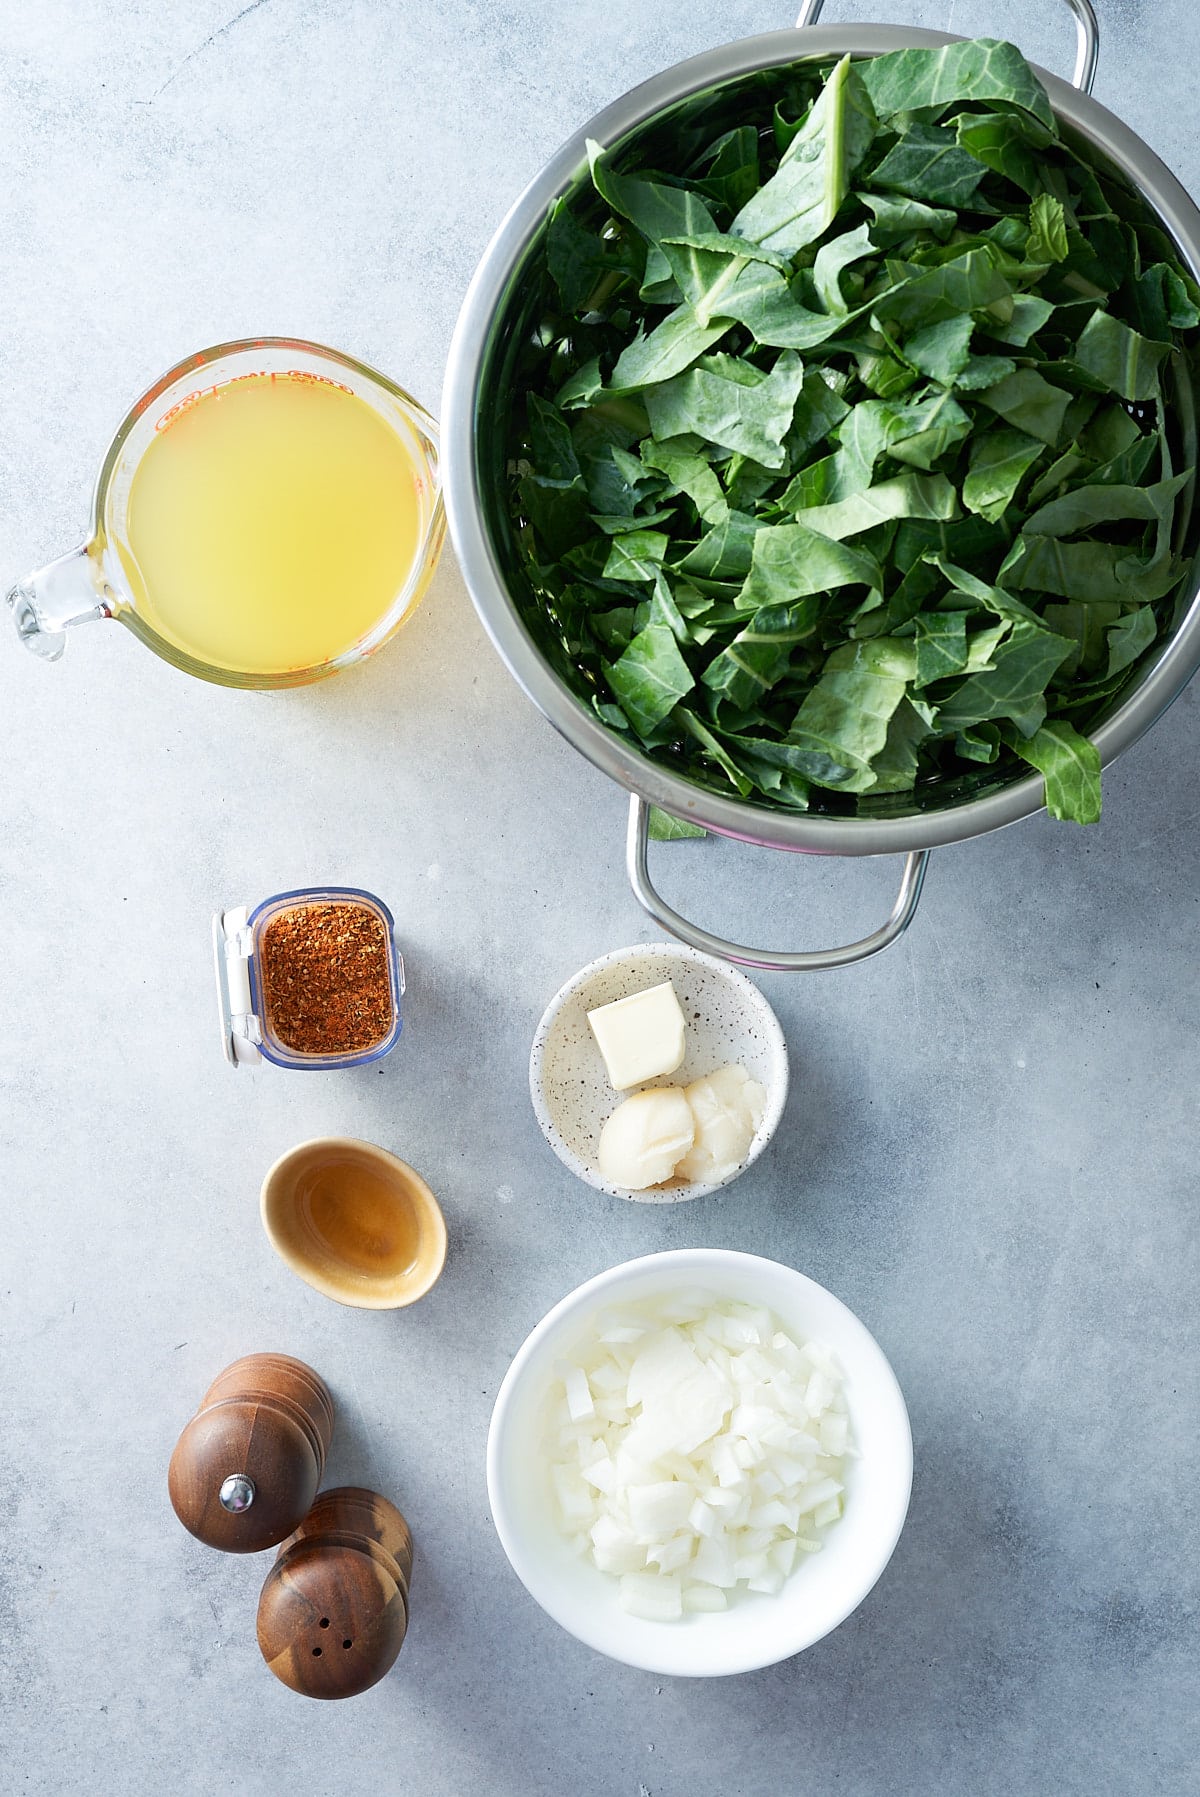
[{"x": 48, "y": 602}]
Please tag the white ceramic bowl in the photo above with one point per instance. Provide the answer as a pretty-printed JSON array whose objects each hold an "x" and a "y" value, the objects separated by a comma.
[
  {"x": 756, "y": 1630},
  {"x": 728, "y": 1020}
]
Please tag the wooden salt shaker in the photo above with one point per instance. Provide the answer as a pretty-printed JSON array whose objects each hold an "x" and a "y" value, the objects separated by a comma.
[
  {"x": 247, "y": 1466},
  {"x": 334, "y": 1609}
]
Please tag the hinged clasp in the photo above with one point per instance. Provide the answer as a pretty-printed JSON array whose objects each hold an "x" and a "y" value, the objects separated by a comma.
[{"x": 233, "y": 943}]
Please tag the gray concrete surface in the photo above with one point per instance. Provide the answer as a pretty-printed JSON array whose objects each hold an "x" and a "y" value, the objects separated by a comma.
[{"x": 990, "y": 1147}]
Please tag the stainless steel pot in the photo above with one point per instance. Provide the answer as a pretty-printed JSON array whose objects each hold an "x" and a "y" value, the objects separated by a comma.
[{"x": 494, "y": 312}]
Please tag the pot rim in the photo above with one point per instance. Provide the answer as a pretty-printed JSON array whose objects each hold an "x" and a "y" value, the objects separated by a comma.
[{"x": 749, "y": 822}]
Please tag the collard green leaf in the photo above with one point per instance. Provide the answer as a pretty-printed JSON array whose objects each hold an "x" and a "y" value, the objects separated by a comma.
[
  {"x": 1127, "y": 468},
  {"x": 713, "y": 749},
  {"x": 655, "y": 208},
  {"x": 941, "y": 639},
  {"x": 558, "y": 513},
  {"x": 1047, "y": 230},
  {"x": 650, "y": 678},
  {"x": 724, "y": 552},
  {"x": 990, "y": 597},
  {"x": 1015, "y": 688},
  {"x": 583, "y": 387},
  {"x": 791, "y": 561},
  {"x": 943, "y": 352},
  {"x": 1029, "y": 313},
  {"x": 982, "y": 646},
  {"x": 897, "y": 763},
  {"x": 1087, "y": 626},
  {"x": 1161, "y": 300},
  {"x": 832, "y": 257},
  {"x": 971, "y": 282},
  {"x": 733, "y": 174},
  {"x": 718, "y": 279},
  {"x": 818, "y": 411},
  {"x": 715, "y": 401},
  {"x": 1000, "y": 459},
  {"x": 757, "y": 295},
  {"x": 961, "y": 539},
  {"x": 770, "y": 751},
  {"x": 906, "y": 496},
  {"x": 1090, "y": 506},
  {"x": 723, "y": 244},
  {"x": 917, "y": 431},
  {"x": 898, "y": 218},
  {"x": 880, "y": 370},
  {"x": 972, "y": 69},
  {"x": 979, "y": 742},
  {"x": 918, "y": 584},
  {"x": 1129, "y": 638},
  {"x": 803, "y": 197},
  {"x": 636, "y": 556},
  {"x": 580, "y": 260},
  {"x": 1065, "y": 471},
  {"x": 1030, "y": 403},
  {"x": 1070, "y": 766},
  {"x": 551, "y": 445},
  {"x": 1125, "y": 361},
  {"x": 659, "y": 286},
  {"x": 927, "y": 164},
  {"x": 818, "y": 484},
  {"x": 759, "y": 654},
  {"x": 690, "y": 473},
  {"x": 665, "y": 828},
  {"x": 615, "y": 524},
  {"x": 1001, "y": 141},
  {"x": 1113, "y": 435},
  {"x": 842, "y": 725},
  {"x": 669, "y": 348},
  {"x": 1089, "y": 571}
]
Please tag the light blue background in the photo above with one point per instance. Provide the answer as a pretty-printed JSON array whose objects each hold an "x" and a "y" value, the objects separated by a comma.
[{"x": 990, "y": 1148}]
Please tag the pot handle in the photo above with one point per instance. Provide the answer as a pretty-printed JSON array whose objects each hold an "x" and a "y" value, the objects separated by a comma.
[
  {"x": 1087, "y": 38},
  {"x": 769, "y": 960}
]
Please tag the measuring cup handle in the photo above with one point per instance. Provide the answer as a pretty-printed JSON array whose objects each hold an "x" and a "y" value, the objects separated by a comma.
[
  {"x": 1087, "y": 37},
  {"x": 49, "y": 602},
  {"x": 769, "y": 960}
]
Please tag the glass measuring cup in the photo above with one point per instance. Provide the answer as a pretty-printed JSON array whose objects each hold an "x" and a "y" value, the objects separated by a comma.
[{"x": 100, "y": 579}]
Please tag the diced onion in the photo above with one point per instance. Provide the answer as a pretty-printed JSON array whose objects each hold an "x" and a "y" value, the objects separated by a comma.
[{"x": 689, "y": 1445}]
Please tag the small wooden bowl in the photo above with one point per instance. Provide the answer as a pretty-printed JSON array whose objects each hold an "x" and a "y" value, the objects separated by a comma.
[
  {"x": 354, "y": 1222},
  {"x": 247, "y": 1466},
  {"x": 334, "y": 1609}
]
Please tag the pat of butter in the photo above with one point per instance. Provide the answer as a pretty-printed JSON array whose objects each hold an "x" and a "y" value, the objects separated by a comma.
[{"x": 640, "y": 1036}]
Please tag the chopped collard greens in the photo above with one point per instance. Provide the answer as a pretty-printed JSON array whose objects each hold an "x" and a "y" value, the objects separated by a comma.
[{"x": 840, "y": 457}]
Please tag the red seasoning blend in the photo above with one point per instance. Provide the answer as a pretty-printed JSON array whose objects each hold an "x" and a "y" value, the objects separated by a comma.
[{"x": 325, "y": 973}]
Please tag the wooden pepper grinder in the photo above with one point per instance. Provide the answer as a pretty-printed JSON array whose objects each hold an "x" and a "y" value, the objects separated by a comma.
[
  {"x": 334, "y": 1610},
  {"x": 247, "y": 1466}
]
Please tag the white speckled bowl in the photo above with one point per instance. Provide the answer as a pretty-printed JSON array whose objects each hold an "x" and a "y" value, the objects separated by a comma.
[{"x": 728, "y": 1020}]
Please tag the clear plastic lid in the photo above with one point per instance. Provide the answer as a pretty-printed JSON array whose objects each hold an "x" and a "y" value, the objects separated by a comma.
[{"x": 248, "y": 1028}]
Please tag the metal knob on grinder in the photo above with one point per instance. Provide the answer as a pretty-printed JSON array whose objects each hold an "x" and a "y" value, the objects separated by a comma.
[{"x": 247, "y": 1467}]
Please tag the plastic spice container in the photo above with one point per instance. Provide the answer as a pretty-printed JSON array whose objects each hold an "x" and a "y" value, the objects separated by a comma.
[{"x": 309, "y": 979}]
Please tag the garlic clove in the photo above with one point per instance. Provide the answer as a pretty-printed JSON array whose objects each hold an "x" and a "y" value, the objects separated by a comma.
[
  {"x": 727, "y": 1107},
  {"x": 645, "y": 1138}
]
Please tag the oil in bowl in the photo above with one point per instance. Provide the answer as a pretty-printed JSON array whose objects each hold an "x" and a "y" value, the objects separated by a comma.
[{"x": 354, "y": 1222}]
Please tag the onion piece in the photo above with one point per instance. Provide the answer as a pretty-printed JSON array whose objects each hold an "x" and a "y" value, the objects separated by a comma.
[{"x": 689, "y": 1444}]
